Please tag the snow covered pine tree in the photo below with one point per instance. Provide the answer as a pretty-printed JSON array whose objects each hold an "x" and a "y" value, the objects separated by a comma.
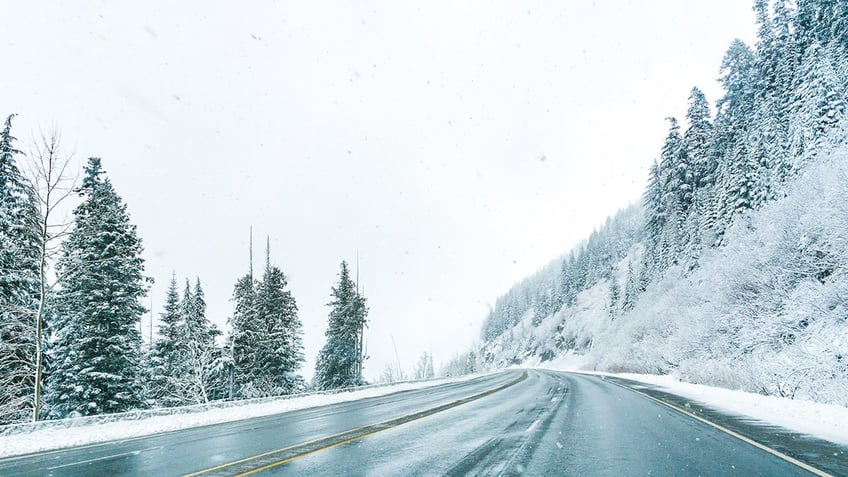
[
  {"x": 339, "y": 363},
  {"x": 19, "y": 278},
  {"x": 95, "y": 359}
]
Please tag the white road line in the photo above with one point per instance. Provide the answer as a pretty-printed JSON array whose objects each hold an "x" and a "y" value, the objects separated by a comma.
[
  {"x": 754, "y": 443},
  {"x": 532, "y": 426},
  {"x": 136, "y": 452}
]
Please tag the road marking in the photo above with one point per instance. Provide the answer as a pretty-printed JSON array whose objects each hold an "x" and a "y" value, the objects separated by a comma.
[
  {"x": 754, "y": 443},
  {"x": 532, "y": 426},
  {"x": 323, "y": 443},
  {"x": 107, "y": 457}
]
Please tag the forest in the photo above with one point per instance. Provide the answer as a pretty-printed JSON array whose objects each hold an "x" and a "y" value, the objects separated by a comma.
[{"x": 70, "y": 308}]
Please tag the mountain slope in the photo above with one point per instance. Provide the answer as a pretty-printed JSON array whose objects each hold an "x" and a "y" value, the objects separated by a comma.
[{"x": 734, "y": 270}]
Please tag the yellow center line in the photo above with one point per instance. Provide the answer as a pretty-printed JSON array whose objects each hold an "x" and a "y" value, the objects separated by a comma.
[
  {"x": 355, "y": 433},
  {"x": 275, "y": 451},
  {"x": 287, "y": 460}
]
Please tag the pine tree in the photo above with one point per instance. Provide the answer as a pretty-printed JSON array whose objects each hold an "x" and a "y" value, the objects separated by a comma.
[
  {"x": 697, "y": 140},
  {"x": 19, "y": 283},
  {"x": 281, "y": 347},
  {"x": 266, "y": 341},
  {"x": 339, "y": 363},
  {"x": 698, "y": 144},
  {"x": 631, "y": 289},
  {"x": 819, "y": 21},
  {"x": 97, "y": 350},
  {"x": 568, "y": 286},
  {"x": 656, "y": 219},
  {"x": 676, "y": 196},
  {"x": 166, "y": 354},
  {"x": 818, "y": 103},
  {"x": 839, "y": 28},
  {"x": 738, "y": 188},
  {"x": 246, "y": 333},
  {"x": 779, "y": 59},
  {"x": 775, "y": 65},
  {"x": 541, "y": 307},
  {"x": 614, "y": 295},
  {"x": 202, "y": 371}
]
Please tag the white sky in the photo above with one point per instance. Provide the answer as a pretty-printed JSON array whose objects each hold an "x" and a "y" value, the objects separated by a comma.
[{"x": 458, "y": 147}]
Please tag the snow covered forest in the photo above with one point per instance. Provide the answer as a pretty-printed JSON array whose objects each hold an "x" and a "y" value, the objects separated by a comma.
[
  {"x": 733, "y": 270},
  {"x": 70, "y": 309}
]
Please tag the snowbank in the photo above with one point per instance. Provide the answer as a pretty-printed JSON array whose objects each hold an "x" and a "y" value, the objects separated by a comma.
[{"x": 825, "y": 421}]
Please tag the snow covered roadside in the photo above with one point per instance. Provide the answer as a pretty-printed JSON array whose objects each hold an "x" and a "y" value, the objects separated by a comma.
[
  {"x": 825, "y": 421},
  {"x": 52, "y": 438}
]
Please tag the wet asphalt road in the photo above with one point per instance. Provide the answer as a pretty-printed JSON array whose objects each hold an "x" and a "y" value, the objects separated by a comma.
[{"x": 512, "y": 423}]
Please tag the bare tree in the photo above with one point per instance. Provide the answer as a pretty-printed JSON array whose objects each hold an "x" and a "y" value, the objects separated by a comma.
[
  {"x": 392, "y": 374},
  {"x": 424, "y": 368},
  {"x": 52, "y": 184}
]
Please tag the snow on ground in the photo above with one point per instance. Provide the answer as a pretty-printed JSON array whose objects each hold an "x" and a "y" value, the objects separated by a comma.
[
  {"x": 57, "y": 438},
  {"x": 825, "y": 421}
]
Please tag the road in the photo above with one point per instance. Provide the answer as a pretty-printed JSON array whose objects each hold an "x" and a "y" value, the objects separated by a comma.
[{"x": 516, "y": 422}]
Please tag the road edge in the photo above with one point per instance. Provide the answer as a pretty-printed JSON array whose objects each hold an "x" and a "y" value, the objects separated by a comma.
[{"x": 622, "y": 383}]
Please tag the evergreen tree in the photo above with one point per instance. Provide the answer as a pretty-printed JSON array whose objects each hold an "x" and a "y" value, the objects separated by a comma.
[
  {"x": 698, "y": 144},
  {"x": 166, "y": 354},
  {"x": 339, "y": 363},
  {"x": 768, "y": 135},
  {"x": 631, "y": 289},
  {"x": 614, "y": 295},
  {"x": 839, "y": 27},
  {"x": 266, "y": 342},
  {"x": 568, "y": 286},
  {"x": 818, "y": 103},
  {"x": 779, "y": 59},
  {"x": 201, "y": 357},
  {"x": 281, "y": 347},
  {"x": 738, "y": 188},
  {"x": 97, "y": 349},
  {"x": 819, "y": 21},
  {"x": 19, "y": 282},
  {"x": 656, "y": 218},
  {"x": 246, "y": 333},
  {"x": 542, "y": 307},
  {"x": 18, "y": 228},
  {"x": 676, "y": 195},
  {"x": 697, "y": 139}
]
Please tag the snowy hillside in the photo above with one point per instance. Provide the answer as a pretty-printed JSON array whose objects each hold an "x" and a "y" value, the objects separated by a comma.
[
  {"x": 765, "y": 313},
  {"x": 734, "y": 272}
]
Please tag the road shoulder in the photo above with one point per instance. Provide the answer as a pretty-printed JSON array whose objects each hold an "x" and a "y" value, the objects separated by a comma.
[{"x": 821, "y": 454}]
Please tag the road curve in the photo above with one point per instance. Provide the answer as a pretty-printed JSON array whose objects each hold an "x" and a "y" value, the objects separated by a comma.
[{"x": 516, "y": 422}]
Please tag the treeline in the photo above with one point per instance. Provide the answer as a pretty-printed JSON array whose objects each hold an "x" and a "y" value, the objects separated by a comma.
[
  {"x": 782, "y": 106},
  {"x": 73, "y": 347},
  {"x": 780, "y": 102}
]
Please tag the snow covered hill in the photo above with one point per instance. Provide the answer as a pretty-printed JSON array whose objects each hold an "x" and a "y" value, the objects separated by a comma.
[
  {"x": 765, "y": 313},
  {"x": 733, "y": 272}
]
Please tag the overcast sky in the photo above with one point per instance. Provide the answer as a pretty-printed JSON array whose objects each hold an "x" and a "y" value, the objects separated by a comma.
[{"x": 456, "y": 146}]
